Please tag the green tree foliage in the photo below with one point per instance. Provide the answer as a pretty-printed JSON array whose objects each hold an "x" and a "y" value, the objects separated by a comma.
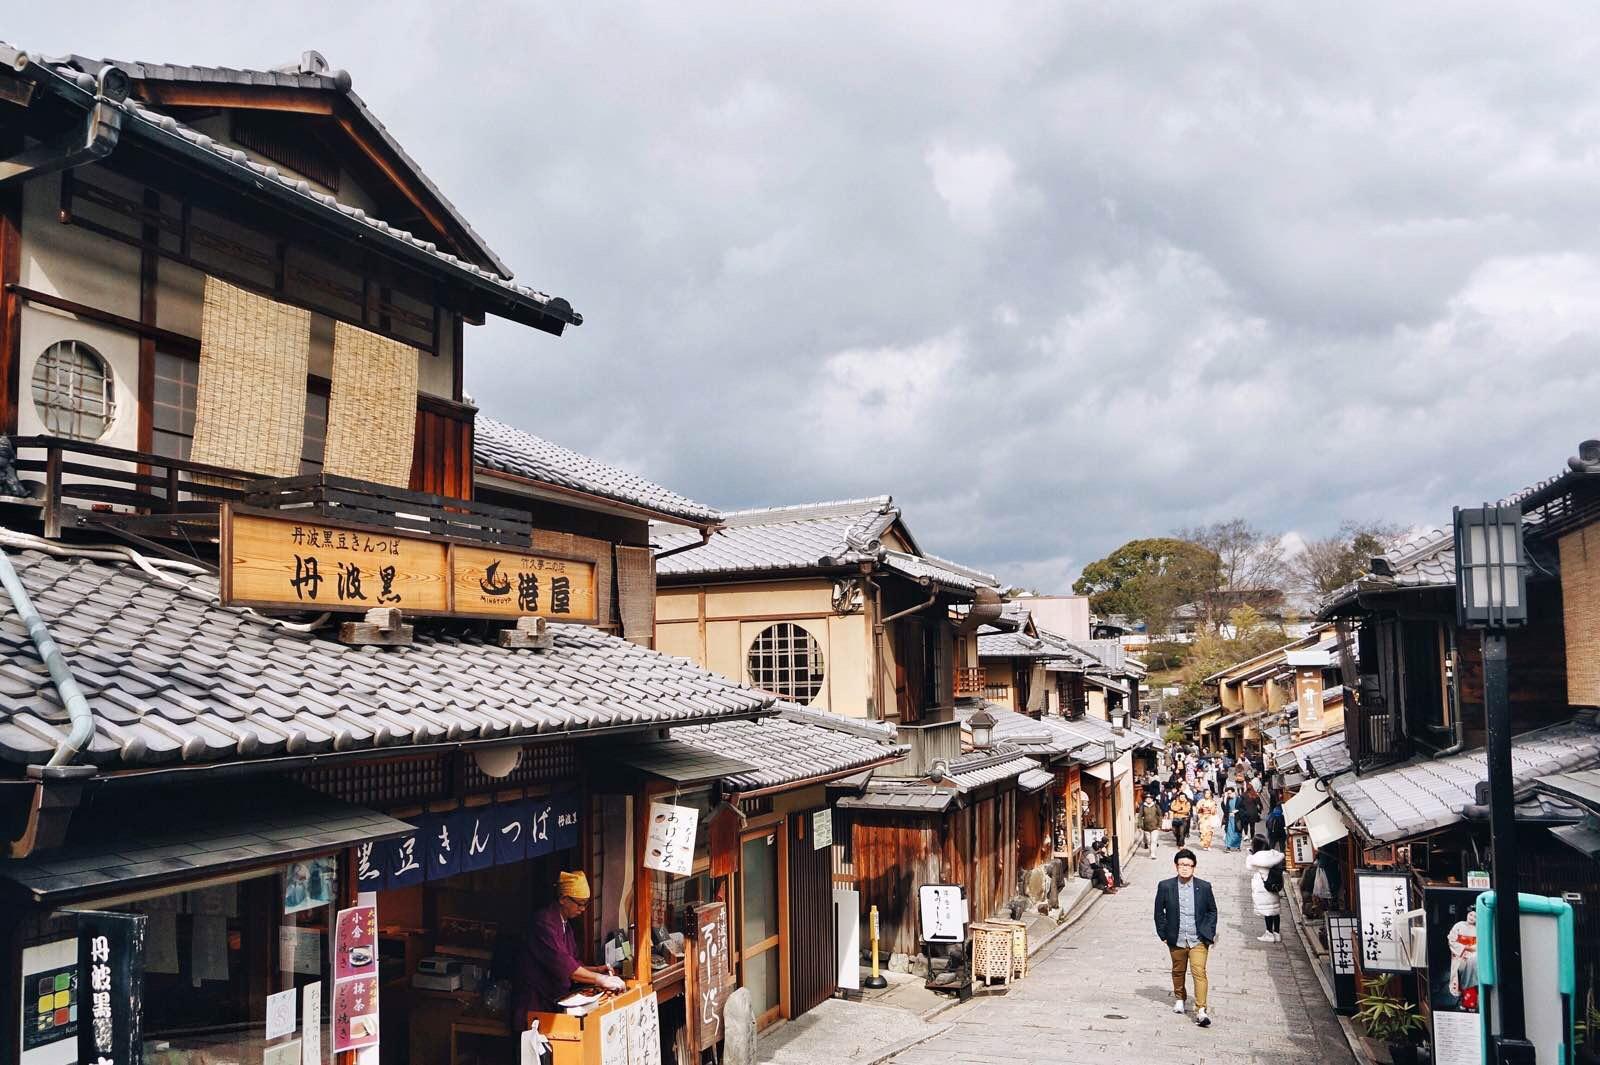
[
  {"x": 1149, "y": 579},
  {"x": 1245, "y": 636}
]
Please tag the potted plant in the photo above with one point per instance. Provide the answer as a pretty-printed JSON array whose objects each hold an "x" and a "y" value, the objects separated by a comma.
[{"x": 1393, "y": 1021}]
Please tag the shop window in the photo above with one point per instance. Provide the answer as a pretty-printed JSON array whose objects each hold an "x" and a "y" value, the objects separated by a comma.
[
  {"x": 786, "y": 660},
  {"x": 73, "y": 391},
  {"x": 670, "y": 900}
]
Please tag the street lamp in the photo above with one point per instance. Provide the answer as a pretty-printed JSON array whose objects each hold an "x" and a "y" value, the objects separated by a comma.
[
  {"x": 1491, "y": 595},
  {"x": 1110, "y": 751},
  {"x": 982, "y": 725}
]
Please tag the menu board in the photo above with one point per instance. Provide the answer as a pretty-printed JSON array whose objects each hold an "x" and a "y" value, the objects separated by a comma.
[
  {"x": 708, "y": 975},
  {"x": 355, "y": 978}
]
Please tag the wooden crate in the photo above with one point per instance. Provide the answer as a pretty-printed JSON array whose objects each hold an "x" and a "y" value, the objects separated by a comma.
[{"x": 991, "y": 952}]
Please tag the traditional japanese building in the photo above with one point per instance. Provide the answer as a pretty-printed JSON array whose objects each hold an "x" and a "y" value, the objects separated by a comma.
[{"x": 310, "y": 674}]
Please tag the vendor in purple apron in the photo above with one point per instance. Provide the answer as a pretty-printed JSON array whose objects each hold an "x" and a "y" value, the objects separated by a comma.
[{"x": 548, "y": 968}]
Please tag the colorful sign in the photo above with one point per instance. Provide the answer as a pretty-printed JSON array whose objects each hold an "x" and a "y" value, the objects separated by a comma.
[
  {"x": 277, "y": 561},
  {"x": 111, "y": 974},
  {"x": 1452, "y": 933},
  {"x": 355, "y": 978},
  {"x": 1384, "y": 899},
  {"x": 51, "y": 1001}
]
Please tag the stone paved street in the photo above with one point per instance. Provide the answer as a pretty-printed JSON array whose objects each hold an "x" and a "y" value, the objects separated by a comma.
[{"x": 1102, "y": 993}]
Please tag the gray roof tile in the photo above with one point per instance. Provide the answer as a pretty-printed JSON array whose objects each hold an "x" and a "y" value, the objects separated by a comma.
[
  {"x": 498, "y": 446},
  {"x": 798, "y": 744},
  {"x": 1428, "y": 795},
  {"x": 274, "y": 690}
]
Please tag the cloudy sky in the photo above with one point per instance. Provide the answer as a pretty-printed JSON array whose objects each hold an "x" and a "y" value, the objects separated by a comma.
[{"x": 1053, "y": 275}]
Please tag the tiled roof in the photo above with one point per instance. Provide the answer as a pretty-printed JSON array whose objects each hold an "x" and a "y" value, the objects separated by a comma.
[
  {"x": 1424, "y": 560},
  {"x": 163, "y": 129},
  {"x": 1099, "y": 731},
  {"x": 798, "y": 744},
  {"x": 1036, "y": 736},
  {"x": 336, "y": 81},
  {"x": 975, "y": 770},
  {"x": 174, "y": 678},
  {"x": 968, "y": 773},
  {"x": 498, "y": 446},
  {"x": 1036, "y": 779},
  {"x": 782, "y": 538},
  {"x": 1324, "y": 757},
  {"x": 938, "y": 571},
  {"x": 1428, "y": 795},
  {"x": 1046, "y": 646}
]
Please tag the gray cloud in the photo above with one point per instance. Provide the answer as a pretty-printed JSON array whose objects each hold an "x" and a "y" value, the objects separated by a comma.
[{"x": 1054, "y": 276}]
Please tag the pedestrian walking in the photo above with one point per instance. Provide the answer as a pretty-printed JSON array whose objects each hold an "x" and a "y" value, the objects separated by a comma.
[
  {"x": 1206, "y": 814},
  {"x": 1179, "y": 811},
  {"x": 1277, "y": 829},
  {"x": 1149, "y": 825},
  {"x": 1266, "y": 887},
  {"x": 1186, "y": 921},
  {"x": 1232, "y": 836},
  {"x": 1250, "y": 808}
]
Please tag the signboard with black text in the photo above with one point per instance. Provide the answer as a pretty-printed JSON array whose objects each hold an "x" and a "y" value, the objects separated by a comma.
[
  {"x": 1383, "y": 899},
  {"x": 1342, "y": 946}
]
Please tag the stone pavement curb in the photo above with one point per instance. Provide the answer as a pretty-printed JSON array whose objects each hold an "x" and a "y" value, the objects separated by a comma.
[
  {"x": 906, "y": 1044},
  {"x": 1358, "y": 1048}
]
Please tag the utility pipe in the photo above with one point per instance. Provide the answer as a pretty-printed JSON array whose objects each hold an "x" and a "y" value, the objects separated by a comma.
[{"x": 78, "y": 711}]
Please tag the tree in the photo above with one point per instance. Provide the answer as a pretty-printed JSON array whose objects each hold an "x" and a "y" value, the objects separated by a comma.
[
  {"x": 1250, "y": 567},
  {"x": 1212, "y": 652},
  {"x": 1148, "y": 580},
  {"x": 1333, "y": 562}
]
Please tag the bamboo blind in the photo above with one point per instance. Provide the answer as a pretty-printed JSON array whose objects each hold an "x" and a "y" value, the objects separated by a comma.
[
  {"x": 250, "y": 407},
  {"x": 1580, "y": 605},
  {"x": 636, "y": 594},
  {"x": 372, "y": 407}
]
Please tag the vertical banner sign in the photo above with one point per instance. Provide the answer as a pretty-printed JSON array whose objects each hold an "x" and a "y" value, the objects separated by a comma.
[
  {"x": 708, "y": 974},
  {"x": 111, "y": 970},
  {"x": 1452, "y": 931},
  {"x": 1384, "y": 899},
  {"x": 1342, "y": 946},
  {"x": 669, "y": 846},
  {"x": 355, "y": 979}
]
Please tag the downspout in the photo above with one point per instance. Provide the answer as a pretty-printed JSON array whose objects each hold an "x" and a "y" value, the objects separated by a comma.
[
  {"x": 99, "y": 136},
  {"x": 877, "y": 645},
  {"x": 706, "y": 532},
  {"x": 78, "y": 711}
]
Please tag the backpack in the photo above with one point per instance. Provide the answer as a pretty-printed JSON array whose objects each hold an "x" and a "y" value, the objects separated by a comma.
[{"x": 1274, "y": 879}]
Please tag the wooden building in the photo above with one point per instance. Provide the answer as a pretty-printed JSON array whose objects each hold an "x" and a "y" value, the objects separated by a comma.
[
  {"x": 331, "y": 643},
  {"x": 1398, "y": 792}
]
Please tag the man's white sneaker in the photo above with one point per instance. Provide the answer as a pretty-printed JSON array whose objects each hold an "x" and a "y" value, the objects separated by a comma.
[
  {"x": 1202, "y": 1018},
  {"x": 1264, "y": 937},
  {"x": 1177, "y": 1007}
]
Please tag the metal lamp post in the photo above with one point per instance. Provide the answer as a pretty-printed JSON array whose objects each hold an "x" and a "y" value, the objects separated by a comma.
[
  {"x": 1491, "y": 595},
  {"x": 1110, "y": 751}
]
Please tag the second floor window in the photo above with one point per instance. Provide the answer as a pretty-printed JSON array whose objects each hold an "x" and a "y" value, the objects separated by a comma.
[
  {"x": 73, "y": 391},
  {"x": 172, "y": 416},
  {"x": 786, "y": 660}
]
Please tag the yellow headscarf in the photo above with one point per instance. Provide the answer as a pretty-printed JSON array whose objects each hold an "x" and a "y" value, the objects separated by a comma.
[{"x": 573, "y": 886}]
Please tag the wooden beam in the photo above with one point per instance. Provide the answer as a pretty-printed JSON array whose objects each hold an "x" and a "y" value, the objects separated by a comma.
[
  {"x": 177, "y": 342},
  {"x": 380, "y": 157},
  {"x": 149, "y": 265},
  {"x": 247, "y": 97},
  {"x": 10, "y": 307}
]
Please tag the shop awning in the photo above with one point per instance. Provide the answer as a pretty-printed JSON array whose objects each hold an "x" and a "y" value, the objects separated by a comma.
[
  {"x": 1036, "y": 780},
  {"x": 1581, "y": 838},
  {"x": 679, "y": 762},
  {"x": 137, "y": 839},
  {"x": 1303, "y": 802},
  {"x": 1102, "y": 771},
  {"x": 1326, "y": 825}
]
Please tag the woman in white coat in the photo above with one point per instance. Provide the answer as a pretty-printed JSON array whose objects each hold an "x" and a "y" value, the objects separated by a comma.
[{"x": 1268, "y": 903}]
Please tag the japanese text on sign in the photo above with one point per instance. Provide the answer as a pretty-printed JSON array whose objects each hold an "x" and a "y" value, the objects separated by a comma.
[
  {"x": 669, "y": 846},
  {"x": 111, "y": 966},
  {"x": 355, "y": 970},
  {"x": 1384, "y": 900}
]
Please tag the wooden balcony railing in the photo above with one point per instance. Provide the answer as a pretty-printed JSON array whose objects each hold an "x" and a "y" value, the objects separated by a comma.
[
  {"x": 141, "y": 496},
  {"x": 970, "y": 681},
  {"x": 1370, "y": 728}
]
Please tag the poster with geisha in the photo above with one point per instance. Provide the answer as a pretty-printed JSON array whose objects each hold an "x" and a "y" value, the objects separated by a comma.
[{"x": 1452, "y": 932}]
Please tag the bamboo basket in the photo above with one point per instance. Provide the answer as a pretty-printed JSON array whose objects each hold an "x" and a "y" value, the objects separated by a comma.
[{"x": 991, "y": 952}]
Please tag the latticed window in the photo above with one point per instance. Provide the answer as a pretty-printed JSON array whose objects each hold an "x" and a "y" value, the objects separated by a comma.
[
  {"x": 72, "y": 389},
  {"x": 786, "y": 660},
  {"x": 172, "y": 416}
]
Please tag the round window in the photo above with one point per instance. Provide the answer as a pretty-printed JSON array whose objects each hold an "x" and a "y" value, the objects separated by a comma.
[
  {"x": 786, "y": 660},
  {"x": 73, "y": 391}
]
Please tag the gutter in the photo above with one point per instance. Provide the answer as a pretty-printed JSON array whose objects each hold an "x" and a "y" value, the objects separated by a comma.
[
  {"x": 820, "y": 778},
  {"x": 82, "y": 718},
  {"x": 100, "y": 134}
]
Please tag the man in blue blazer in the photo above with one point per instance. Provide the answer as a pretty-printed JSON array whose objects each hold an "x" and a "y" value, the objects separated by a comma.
[{"x": 1186, "y": 921}]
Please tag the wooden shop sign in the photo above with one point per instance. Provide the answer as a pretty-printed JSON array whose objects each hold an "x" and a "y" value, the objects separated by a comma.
[{"x": 283, "y": 563}]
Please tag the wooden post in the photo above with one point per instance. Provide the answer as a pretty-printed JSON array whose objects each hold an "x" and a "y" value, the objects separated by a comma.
[{"x": 52, "y": 492}]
